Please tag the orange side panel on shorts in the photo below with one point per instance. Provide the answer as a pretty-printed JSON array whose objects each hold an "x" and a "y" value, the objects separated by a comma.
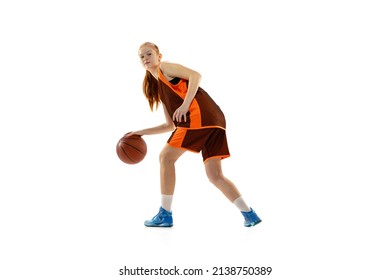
[{"x": 178, "y": 138}]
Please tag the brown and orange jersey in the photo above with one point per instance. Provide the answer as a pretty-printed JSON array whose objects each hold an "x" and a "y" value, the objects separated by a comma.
[{"x": 203, "y": 111}]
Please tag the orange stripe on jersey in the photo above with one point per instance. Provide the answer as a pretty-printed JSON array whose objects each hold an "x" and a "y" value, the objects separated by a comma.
[
  {"x": 196, "y": 117},
  {"x": 203, "y": 111},
  {"x": 180, "y": 88}
]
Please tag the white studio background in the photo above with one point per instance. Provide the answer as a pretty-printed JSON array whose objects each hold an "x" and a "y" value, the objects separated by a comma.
[{"x": 304, "y": 86}]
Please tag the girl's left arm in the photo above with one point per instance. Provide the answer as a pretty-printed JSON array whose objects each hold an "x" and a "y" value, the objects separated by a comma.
[{"x": 176, "y": 70}]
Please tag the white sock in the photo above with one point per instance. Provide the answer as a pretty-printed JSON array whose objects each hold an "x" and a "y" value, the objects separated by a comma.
[
  {"x": 240, "y": 203},
  {"x": 166, "y": 201}
]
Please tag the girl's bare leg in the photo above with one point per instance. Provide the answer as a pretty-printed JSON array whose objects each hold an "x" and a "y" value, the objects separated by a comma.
[
  {"x": 168, "y": 156},
  {"x": 216, "y": 177}
]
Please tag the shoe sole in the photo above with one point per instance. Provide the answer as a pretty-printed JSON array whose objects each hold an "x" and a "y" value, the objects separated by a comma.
[
  {"x": 161, "y": 225},
  {"x": 253, "y": 223}
]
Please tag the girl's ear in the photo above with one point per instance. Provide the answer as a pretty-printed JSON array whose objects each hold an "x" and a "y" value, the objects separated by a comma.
[{"x": 159, "y": 56}]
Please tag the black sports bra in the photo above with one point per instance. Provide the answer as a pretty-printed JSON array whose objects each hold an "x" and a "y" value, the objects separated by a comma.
[{"x": 175, "y": 81}]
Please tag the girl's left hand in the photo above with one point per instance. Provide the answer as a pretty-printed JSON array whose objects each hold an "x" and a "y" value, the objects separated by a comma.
[{"x": 180, "y": 113}]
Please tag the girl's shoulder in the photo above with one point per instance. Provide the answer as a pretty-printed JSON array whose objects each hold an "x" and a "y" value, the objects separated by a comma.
[
  {"x": 173, "y": 70},
  {"x": 167, "y": 65},
  {"x": 167, "y": 68}
]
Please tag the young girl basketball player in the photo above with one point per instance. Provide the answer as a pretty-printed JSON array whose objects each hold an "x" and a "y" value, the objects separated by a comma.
[{"x": 198, "y": 124}]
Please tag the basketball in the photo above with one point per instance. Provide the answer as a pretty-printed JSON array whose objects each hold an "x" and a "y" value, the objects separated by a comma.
[{"x": 131, "y": 149}]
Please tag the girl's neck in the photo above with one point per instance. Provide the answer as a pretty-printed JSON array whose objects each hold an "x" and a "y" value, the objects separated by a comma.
[{"x": 154, "y": 73}]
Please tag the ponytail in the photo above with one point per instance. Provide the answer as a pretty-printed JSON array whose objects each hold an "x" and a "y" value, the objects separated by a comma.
[{"x": 150, "y": 88}]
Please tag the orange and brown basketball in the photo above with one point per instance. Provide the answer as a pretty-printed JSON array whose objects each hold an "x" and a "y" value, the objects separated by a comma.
[{"x": 131, "y": 149}]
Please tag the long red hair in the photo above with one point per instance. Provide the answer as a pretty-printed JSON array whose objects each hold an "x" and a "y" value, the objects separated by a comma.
[{"x": 150, "y": 85}]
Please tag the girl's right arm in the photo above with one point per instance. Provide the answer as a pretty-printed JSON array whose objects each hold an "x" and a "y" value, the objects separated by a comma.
[{"x": 165, "y": 127}]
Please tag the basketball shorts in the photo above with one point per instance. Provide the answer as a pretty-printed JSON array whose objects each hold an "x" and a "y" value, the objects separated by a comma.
[{"x": 211, "y": 141}]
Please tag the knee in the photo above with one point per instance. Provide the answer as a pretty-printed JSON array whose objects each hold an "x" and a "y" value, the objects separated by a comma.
[
  {"x": 166, "y": 158},
  {"x": 214, "y": 176}
]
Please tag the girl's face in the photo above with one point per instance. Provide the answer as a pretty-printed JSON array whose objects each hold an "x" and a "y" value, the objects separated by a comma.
[{"x": 149, "y": 57}]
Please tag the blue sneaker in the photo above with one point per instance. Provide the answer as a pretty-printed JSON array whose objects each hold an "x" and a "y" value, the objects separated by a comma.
[
  {"x": 162, "y": 219},
  {"x": 251, "y": 218}
]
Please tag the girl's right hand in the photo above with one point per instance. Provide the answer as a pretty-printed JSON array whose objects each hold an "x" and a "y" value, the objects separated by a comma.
[{"x": 128, "y": 134}]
